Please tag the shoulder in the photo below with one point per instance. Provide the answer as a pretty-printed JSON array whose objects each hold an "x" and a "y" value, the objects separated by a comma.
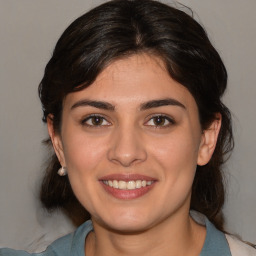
[
  {"x": 59, "y": 247},
  {"x": 239, "y": 248},
  {"x": 71, "y": 244}
]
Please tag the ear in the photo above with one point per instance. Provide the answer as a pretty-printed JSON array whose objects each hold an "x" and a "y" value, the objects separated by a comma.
[
  {"x": 56, "y": 141},
  {"x": 209, "y": 141}
]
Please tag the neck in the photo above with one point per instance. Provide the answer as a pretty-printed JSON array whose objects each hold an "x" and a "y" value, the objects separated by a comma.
[{"x": 175, "y": 236}]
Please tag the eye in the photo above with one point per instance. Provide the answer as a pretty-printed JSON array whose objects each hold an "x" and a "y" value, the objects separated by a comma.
[
  {"x": 95, "y": 120},
  {"x": 160, "y": 121}
]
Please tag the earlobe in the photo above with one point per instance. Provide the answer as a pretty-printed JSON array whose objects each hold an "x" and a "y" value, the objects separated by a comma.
[
  {"x": 56, "y": 140},
  {"x": 209, "y": 141}
]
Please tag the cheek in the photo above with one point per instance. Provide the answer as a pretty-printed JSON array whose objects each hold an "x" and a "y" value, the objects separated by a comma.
[
  {"x": 82, "y": 152},
  {"x": 176, "y": 149},
  {"x": 84, "y": 156},
  {"x": 177, "y": 157}
]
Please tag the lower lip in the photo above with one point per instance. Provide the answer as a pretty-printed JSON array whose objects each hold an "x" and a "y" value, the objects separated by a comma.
[{"x": 128, "y": 194}]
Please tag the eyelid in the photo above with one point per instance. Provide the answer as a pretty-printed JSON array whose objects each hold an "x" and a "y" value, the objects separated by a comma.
[
  {"x": 88, "y": 117},
  {"x": 167, "y": 117},
  {"x": 149, "y": 118}
]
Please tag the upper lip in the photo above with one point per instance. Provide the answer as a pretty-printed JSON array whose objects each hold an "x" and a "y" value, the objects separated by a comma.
[{"x": 127, "y": 177}]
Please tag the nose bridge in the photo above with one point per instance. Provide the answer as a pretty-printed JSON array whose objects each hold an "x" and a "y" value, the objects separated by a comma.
[{"x": 127, "y": 146}]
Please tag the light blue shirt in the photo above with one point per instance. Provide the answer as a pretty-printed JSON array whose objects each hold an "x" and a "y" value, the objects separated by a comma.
[{"x": 73, "y": 244}]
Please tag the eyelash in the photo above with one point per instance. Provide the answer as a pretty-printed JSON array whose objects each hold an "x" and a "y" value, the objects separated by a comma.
[
  {"x": 168, "y": 119},
  {"x": 103, "y": 120}
]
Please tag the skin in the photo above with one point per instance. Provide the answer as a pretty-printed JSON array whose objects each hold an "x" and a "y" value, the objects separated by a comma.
[{"x": 129, "y": 140}]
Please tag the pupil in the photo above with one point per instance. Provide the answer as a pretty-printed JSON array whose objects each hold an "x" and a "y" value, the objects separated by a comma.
[
  {"x": 97, "y": 120},
  {"x": 159, "y": 120}
]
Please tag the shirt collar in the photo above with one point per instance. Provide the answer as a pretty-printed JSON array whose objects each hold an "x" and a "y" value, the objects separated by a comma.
[{"x": 215, "y": 241}]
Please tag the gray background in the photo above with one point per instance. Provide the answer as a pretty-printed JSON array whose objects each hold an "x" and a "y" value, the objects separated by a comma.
[{"x": 28, "y": 32}]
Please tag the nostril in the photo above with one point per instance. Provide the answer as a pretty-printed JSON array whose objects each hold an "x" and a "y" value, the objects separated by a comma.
[
  {"x": 126, "y": 147},
  {"x": 127, "y": 157}
]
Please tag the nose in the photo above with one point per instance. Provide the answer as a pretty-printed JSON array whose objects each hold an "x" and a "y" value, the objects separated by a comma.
[{"x": 127, "y": 147}]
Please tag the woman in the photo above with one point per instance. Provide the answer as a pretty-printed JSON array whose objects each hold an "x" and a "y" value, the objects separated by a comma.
[{"x": 132, "y": 101}]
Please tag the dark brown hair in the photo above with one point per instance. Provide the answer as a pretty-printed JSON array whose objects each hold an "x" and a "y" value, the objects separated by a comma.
[{"x": 118, "y": 29}]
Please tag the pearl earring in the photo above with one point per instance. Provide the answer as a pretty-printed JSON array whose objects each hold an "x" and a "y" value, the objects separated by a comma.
[{"x": 62, "y": 171}]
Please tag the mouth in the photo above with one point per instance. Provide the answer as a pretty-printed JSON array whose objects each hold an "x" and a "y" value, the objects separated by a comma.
[{"x": 127, "y": 186}]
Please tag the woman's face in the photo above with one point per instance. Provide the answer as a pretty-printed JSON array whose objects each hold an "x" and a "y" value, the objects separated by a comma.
[{"x": 131, "y": 142}]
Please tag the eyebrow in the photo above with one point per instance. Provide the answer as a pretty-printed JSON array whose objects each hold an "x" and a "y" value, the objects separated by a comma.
[
  {"x": 93, "y": 103},
  {"x": 144, "y": 106},
  {"x": 160, "y": 103}
]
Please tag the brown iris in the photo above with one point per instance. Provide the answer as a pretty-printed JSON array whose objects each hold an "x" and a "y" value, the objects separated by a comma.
[
  {"x": 97, "y": 120},
  {"x": 159, "y": 120}
]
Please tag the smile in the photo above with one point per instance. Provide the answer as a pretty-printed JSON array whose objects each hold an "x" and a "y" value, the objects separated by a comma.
[{"x": 127, "y": 185}]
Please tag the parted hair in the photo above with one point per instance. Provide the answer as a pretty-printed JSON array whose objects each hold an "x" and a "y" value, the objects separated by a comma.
[{"x": 118, "y": 29}]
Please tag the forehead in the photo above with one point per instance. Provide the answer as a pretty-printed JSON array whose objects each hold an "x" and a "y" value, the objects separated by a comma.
[{"x": 132, "y": 80}]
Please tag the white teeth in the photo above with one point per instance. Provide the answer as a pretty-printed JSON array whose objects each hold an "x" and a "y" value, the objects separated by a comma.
[
  {"x": 122, "y": 184},
  {"x": 131, "y": 184},
  {"x": 138, "y": 183},
  {"x": 110, "y": 183},
  {"x": 115, "y": 184}
]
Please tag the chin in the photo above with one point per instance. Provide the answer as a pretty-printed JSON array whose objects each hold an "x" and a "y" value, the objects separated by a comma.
[
  {"x": 128, "y": 227},
  {"x": 127, "y": 222}
]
